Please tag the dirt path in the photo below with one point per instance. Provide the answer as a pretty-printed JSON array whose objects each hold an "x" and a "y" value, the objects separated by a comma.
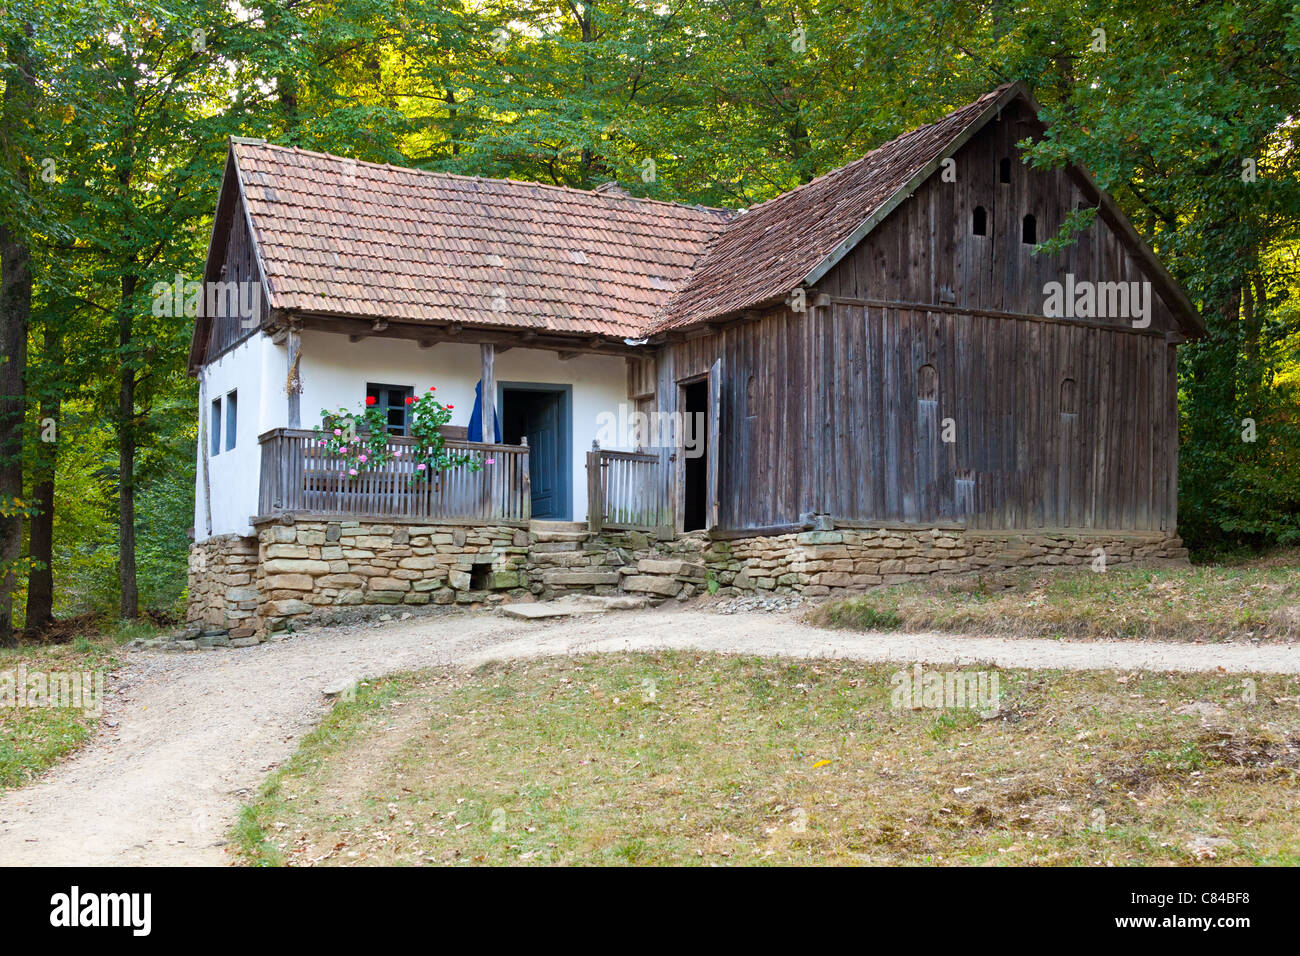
[{"x": 188, "y": 736}]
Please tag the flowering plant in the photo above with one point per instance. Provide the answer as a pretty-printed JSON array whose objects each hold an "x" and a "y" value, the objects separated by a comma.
[
  {"x": 361, "y": 440},
  {"x": 428, "y": 415}
]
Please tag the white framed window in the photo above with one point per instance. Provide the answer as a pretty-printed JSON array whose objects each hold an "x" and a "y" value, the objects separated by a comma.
[
  {"x": 214, "y": 428},
  {"x": 232, "y": 418}
]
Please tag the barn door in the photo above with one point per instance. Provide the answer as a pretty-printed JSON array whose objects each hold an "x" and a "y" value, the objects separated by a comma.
[{"x": 714, "y": 441}]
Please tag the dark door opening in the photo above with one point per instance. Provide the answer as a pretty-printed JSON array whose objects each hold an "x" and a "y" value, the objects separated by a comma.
[
  {"x": 540, "y": 416},
  {"x": 695, "y": 403}
]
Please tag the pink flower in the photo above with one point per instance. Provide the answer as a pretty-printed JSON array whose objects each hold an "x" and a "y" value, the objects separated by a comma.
[
  {"x": 343, "y": 450},
  {"x": 338, "y": 431},
  {"x": 398, "y": 453},
  {"x": 421, "y": 466},
  {"x": 490, "y": 461},
  {"x": 352, "y": 471},
  {"x": 321, "y": 442},
  {"x": 361, "y": 458}
]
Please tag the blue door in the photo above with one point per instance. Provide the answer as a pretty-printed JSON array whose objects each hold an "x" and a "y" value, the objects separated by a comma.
[{"x": 541, "y": 417}]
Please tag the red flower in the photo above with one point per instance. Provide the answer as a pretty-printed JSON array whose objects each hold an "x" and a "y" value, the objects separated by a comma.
[
  {"x": 432, "y": 389},
  {"x": 370, "y": 400},
  {"x": 410, "y": 400},
  {"x": 450, "y": 407}
]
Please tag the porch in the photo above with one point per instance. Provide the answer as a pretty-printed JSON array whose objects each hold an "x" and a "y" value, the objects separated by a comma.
[{"x": 300, "y": 478}]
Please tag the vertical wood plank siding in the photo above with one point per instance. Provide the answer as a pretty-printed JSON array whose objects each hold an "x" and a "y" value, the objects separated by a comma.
[
  {"x": 875, "y": 451},
  {"x": 625, "y": 491},
  {"x": 929, "y": 331},
  {"x": 240, "y": 267}
]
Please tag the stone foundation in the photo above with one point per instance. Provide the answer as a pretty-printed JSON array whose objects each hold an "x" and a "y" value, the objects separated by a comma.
[
  {"x": 309, "y": 571},
  {"x": 826, "y": 562},
  {"x": 222, "y": 594},
  {"x": 308, "y": 566}
]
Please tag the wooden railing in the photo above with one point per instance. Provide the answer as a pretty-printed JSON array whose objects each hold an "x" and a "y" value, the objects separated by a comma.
[
  {"x": 626, "y": 491},
  {"x": 300, "y": 476}
]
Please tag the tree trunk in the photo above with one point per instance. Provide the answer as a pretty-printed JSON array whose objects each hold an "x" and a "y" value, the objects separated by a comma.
[
  {"x": 15, "y": 313},
  {"x": 40, "y": 579},
  {"x": 15, "y": 310},
  {"x": 126, "y": 458}
]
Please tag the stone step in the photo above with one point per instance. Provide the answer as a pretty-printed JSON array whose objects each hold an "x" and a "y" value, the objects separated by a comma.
[
  {"x": 566, "y": 607},
  {"x": 580, "y": 577},
  {"x": 538, "y": 525},
  {"x": 557, "y": 531},
  {"x": 652, "y": 584},
  {"x": 544, "y": 609}
]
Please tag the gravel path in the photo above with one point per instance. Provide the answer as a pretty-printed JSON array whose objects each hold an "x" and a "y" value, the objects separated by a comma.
[{"x": 187, "y": 737}]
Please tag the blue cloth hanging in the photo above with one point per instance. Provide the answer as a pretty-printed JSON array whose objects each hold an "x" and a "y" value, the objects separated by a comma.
[{"x": 476, "y": 418}]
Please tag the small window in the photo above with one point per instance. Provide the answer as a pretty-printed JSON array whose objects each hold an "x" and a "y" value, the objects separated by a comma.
[
  {"x": 927, "y": 383},
  {"x": 979, "y": 222},
  {"x": 1068, "y": 400},
  {"x": 391, "y": 400},
  {"x": 232, "y": 419},
  {"x": 214, "y": 428},
  {"x": 1004, "y": 171},
  {"x": 1029, "y": 230}
]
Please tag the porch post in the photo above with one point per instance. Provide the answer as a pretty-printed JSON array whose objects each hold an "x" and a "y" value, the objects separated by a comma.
[
  {"x": 292, "y": 380},
  {"x": 489, "y": 397}
]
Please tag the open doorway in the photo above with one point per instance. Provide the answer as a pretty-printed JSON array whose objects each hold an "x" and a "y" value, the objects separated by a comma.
[
  {"x": 540, "y": 413},
  {"x": 695, "y": 404}
]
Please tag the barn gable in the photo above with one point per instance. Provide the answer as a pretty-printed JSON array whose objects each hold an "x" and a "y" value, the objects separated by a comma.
[
  {"x": 799, "y": 237},
  {"x": 964, "y": 238}
]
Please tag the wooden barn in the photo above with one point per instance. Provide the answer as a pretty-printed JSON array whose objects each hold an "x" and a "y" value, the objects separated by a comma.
[{"x": 873, "y": 375}]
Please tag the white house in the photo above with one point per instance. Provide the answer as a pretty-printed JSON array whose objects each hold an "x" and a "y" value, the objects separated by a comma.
[{"x": 884, "y": 384}]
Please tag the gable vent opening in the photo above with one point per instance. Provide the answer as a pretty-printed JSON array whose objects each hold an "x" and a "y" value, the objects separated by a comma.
[
  {"x": 979, "y": 222},
  {"x": 1029, "y": 230},
  {"x": 1004, "y": 171}
]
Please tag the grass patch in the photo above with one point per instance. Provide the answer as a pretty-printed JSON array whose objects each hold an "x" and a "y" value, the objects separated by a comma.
[
  {"x": 33, "y": 738},
  {"x": 1256, "y": 600},
  {"x": 677, "y": 758}
]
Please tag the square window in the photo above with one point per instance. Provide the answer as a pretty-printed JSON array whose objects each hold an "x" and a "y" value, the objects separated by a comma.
[{"x": 391, "y": 400}]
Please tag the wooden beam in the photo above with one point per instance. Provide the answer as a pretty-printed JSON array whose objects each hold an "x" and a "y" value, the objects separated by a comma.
[
  {"x": 565, "y": 355},
  {"x": 362, "y": 328},
  {"x": 487, "y": 355},
  {"x": 292, "y": 376}
]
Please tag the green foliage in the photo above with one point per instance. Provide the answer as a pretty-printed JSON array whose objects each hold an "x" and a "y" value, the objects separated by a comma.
[
  {"x": 360, "y": 440},
  {"x": 114, "y": 174},
  {"x": 428, "y": 415}
]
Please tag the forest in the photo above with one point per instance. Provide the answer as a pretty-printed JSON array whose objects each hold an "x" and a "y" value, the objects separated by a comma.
[{"x": 116, "y": 117}]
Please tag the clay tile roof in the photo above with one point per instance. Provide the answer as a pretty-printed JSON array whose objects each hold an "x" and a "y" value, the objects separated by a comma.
[
  {"x": 359, "y": 239},
  {"x": 769, "y": 250},
  {"x": 350, "y": 238}
]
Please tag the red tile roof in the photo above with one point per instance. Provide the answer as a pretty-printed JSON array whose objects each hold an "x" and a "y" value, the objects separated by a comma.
[{"x": 360, "y": 239}]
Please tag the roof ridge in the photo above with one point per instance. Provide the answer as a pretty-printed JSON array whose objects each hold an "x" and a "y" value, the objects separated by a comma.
[{"x": 478, "y": 178}]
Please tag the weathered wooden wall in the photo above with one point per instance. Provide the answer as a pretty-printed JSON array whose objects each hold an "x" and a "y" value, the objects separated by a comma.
[
  {"x": 842, "y": 410},
  {"x": 927, "y": 244},
  {"x": 238, "y": 264}
]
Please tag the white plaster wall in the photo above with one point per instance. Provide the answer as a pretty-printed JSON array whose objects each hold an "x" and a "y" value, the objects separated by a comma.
[
  {"x": 335, "y": 371},
  {"x": 232, "y": 475}
]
